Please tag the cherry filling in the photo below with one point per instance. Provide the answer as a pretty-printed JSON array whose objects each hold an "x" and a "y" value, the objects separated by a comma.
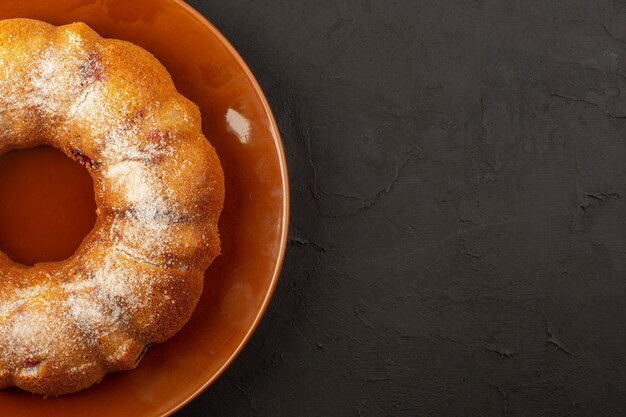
[
  {"x": 158, "y": 135},
  {"x": 31, "y": 363},
  {"x": 92, "y": 69},
  {"x": 159, "y": 139},
  {"x": 84, "y": 160}
]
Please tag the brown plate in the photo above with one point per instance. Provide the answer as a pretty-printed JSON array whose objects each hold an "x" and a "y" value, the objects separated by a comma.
[{"x": 253, "y": 226}]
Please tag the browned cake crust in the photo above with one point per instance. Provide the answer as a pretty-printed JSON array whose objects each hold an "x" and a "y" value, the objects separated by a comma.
[{"x": 159, "y": 187}]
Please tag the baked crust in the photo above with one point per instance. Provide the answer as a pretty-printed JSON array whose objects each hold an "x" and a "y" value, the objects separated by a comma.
[{"x": 159, "y": 188}]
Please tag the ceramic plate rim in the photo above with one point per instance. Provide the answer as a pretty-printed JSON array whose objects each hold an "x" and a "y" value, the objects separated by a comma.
[{"x": 284, "y": 221}]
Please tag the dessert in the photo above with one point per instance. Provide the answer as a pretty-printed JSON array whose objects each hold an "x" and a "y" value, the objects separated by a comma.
[{"x": 159, "y": 189}]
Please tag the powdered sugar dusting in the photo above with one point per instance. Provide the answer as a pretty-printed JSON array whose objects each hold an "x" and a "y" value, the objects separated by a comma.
[
  {"x": 55, "y": 80},
  {"x": 117, "y": 286},
  {"x": 122, "y": 145},
  {"x": 88, "y": 98},
  {"x": 142, "y": 190},
  {"x": 30, "y": 333},
  {"x": 17, "y": 299},
  {"x": 30, "y": 372},
  {"x": 147, "y": 222},
  {"x": 85, "y": 312},
  {"x": 74, "y": 39}
]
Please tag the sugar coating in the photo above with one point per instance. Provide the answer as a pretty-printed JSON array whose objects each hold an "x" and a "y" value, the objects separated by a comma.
[{"x": 159, "y": 188}]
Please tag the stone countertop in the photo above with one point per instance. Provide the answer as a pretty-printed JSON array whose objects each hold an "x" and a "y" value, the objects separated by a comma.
[{"x": 458, "y": 238}]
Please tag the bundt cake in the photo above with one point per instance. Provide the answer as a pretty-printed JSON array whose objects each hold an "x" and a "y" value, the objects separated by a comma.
[{"x": 159, "y": 188}]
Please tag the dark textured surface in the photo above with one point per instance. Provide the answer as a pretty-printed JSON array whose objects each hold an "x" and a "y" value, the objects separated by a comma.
[{"x": 458, "y": 239}]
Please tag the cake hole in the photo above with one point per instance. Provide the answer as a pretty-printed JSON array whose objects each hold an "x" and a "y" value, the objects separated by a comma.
[{"x": 47, "y": 205}]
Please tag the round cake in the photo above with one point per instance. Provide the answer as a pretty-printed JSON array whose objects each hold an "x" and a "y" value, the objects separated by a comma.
[{"x": 159, "y": 188}]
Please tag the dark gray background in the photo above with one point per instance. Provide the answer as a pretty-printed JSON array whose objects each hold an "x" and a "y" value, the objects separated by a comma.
[{"x": 458, "y": 239}]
